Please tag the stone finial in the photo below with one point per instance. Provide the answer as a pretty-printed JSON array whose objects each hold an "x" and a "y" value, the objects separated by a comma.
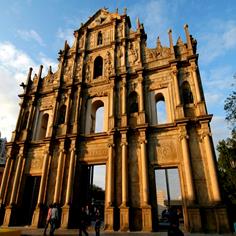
[
  {"x": 138, "y": 23},
  {"x": 50, "y": 70},
  {"x": 125, "y": 10},
  {"x": 158, "y": 42},
  {"x": 40, "y": 71},
  {"x": 29, "y": 75},
  {"x": 171, "y": 41},
  {"x": 117, "y": 10},
  {"x": 188, "y": 37}
]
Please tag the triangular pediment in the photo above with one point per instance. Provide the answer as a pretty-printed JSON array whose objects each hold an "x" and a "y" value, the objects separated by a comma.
[{"x": 102, "y": 16}]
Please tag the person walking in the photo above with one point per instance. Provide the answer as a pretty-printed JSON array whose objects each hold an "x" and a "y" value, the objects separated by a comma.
[
  {"x": 83, "y": 222},
  {"x": 54, "y": 219},
  {"x": 173, "y": 218},
  {"x": 97, "y": 222},
  {"x": 48, "y": 219}
]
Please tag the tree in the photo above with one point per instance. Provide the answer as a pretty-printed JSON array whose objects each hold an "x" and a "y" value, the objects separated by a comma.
[
  {"x": 227, "y": 167},
  {"x": 227, "y": 158},
  {"x": 230, "y": 107}
]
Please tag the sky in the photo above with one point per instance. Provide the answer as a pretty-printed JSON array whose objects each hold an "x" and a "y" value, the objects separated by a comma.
[{"x": 32, "y": 33}]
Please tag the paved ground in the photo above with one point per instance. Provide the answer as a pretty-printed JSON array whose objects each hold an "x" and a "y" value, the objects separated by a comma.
[{"x": 60, "y": 232}]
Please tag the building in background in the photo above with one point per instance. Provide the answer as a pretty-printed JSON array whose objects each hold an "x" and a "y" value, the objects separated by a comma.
[
  {"x": 153, "y": 114},
  {"x": 3, "y": 142}
]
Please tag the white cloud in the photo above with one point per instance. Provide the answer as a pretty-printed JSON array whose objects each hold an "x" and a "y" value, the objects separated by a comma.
[
  {"x": 46, "y": 61},
  {"x": 31, "y": 35},
  {"x": 155, "y": 16},
  {"x": 66, "y": 34},
  {"x": 14, "y": 66},
  {"x": 219, "y": 129},
  {"x": 219, "y": 38}
]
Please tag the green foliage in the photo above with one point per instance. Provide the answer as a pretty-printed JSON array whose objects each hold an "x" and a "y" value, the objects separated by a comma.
[
  {"x": 227, "y": 167},
  {"x": 230, "y": 108}
]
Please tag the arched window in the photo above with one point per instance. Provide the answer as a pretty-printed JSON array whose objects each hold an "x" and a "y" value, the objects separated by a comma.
[
  {"x": 98, "y": 66},
  {"x": 44, "y": 125},
  {"x": 99, "y": 38},
  {"x": 61, "y": 115},
  {"x": 161, "y": 109},
  {"x": 97, "y": 117},
  {"x": 187, "y": 93},
  {"x": 133, "y": 103},
  {"x": 25, "y": 120}
]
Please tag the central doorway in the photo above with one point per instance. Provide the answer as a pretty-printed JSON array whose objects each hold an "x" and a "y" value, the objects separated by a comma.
[
  {"x": 89, "y": 192},
  {"x": 169, "y": 195}
]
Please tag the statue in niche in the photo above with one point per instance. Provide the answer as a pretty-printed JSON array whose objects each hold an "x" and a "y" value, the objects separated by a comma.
[
  {"x": 120, "y": 31},
  {"x": 108, "y": 64},
  {"x": 119, "y": 57},
  {"x": 132, "y": 54},
  {"x": 88, "y": 70},
  {"x": 81, "y": 42}
]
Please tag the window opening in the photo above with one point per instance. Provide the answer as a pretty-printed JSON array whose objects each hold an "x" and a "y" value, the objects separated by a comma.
[
  {"x": 98, "y": 67},
  {"x": 161, "y": 109}
]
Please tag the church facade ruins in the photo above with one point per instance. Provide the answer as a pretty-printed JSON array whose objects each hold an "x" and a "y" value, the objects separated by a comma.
[{"x": 55, "y": 143}]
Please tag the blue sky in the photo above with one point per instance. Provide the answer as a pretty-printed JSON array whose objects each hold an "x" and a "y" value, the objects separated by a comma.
[{"x": 32, "y": 32}]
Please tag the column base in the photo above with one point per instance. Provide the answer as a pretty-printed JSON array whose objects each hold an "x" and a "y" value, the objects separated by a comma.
[
  {"x": 65, "y": 217},
  {"x": 124, "y": 218},
  {"x": 36, "y": 217},
  {"x": 146, "y": 218},
  {"x": 222, "y": 220},
  {"x": 9, "y": 211},
  {"x": 195, "y": 224},
  {"x": 109, "y": 219}
]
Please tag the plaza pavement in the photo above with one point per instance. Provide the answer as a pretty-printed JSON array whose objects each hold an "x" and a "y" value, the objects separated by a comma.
[{"x": 64, "y": 232}]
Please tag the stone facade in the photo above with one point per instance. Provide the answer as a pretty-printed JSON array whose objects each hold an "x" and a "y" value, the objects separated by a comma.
[{"x": 110, "y": 66}]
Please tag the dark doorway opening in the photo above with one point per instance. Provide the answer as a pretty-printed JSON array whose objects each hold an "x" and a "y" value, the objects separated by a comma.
[
  {"x": 29, "y": 200},
  {"x": 168, "y": 196},
  {"x": 89, "y": 192}
]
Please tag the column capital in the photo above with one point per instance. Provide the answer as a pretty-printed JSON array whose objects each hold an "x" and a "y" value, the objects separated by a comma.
[
  {"x": 183, "y": 133},
  {"x": 72, "y": 149},
  {"x": 123, "y": 143},
  {"x": 110, "y": 144}
]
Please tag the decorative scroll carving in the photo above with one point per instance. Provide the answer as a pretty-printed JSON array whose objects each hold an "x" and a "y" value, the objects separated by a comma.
[
  {"x": 166, "y": 151},
  {"x": 67, "y": 71},
  {"x": 152, "y": 54},
  {"x": 78, "y": 72},
  {"x": 108, "y": 64},
  {"x": 99, "y": 91},
  {"x": 94, "y": 152}
]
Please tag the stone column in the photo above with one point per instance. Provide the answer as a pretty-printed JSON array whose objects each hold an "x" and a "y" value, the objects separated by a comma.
[
  {"x": 109, "y": 209},
  {"x": 124, "y": 209},
  {"x": 16, "y": 181},
  {"x": 176, "y": 84},
  {"x": 59, "y": 178},
  {"x": 70, "y": 182},
  {"x": 141, "y": 119},
  {"x": 76, "y": 111},
  {"x": 146, "y": 209},
  {"x": 42, "y": 190},
  {"x": 196, "y": 83},
  {"x": 187, "y": 165},
  {"x": 205, "y": 137},
  {"x": 9, "y": 212},
  {"x": 123, "y": 103},
  {"x": 5, "y": 179},
  {"x": 140, "y": 89},
  {"x": 111, "y": 107}
]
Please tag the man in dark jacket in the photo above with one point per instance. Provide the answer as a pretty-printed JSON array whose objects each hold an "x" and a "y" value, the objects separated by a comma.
[{"x": 83, "y": 222}]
